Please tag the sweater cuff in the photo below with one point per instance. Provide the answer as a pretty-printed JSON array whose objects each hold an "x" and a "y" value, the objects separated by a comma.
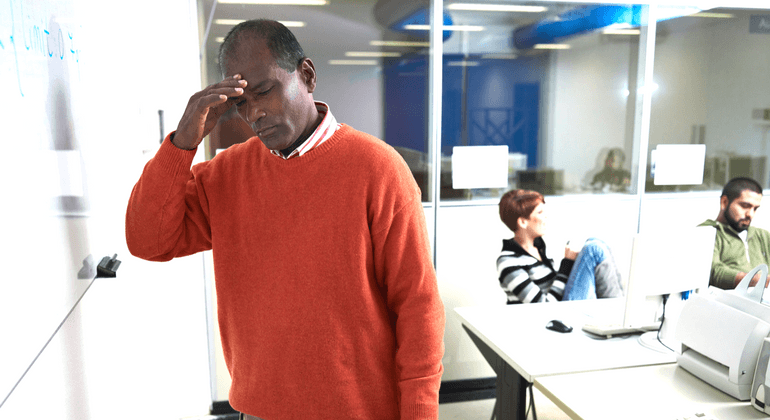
[
  {"x": 419, "y": 397},
  {"x": 724, "y": 279},
  {"x": 565, "y": 267},
  {"x": 172, "y": 159},
  {"x": 420, "y": 412}
]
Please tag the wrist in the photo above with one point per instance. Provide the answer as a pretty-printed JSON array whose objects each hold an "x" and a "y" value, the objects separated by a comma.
[{"x": 180, "y": 144}]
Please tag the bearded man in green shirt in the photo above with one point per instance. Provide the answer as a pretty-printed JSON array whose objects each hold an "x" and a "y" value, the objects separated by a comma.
[{"x": 738, "y": 247}]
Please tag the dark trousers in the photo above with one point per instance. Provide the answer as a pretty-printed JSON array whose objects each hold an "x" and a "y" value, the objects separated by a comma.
[{"x": 248, "y": 417}]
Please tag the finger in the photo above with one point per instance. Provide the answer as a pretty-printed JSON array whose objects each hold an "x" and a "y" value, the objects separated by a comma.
[
  {"x": 220, "y": 108},
  {"x": 209, "y": 101},
  {"x": 219, "y": 97},
  {"x": 236, "y": 77},
  {"x": 221, "y": 88},
  {"x": 227, "y": 91},
  {"x": 230, "y": 81}
]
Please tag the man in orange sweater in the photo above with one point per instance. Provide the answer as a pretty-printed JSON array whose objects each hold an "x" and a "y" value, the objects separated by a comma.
[{"x": 328, "y": 301}]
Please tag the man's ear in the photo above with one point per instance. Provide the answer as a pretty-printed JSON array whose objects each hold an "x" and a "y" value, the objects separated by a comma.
[
  {"x": 307, "y": 74},
  {"x": 723, "y": 203}
]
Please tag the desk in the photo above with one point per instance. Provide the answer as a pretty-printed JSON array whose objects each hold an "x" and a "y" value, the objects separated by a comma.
[
  {"x": 661, "y": 392},
  {"x": 516, "y": 344}
]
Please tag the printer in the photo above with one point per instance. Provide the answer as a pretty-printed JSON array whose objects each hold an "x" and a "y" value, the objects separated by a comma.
[{"x": 721, "y": 334}]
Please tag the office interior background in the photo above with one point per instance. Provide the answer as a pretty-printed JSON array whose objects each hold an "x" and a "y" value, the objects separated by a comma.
[{"x": 563, "y": 85}]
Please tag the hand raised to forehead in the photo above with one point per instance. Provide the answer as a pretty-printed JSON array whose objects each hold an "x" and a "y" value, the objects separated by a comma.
[{"x": 204, "y": 110}]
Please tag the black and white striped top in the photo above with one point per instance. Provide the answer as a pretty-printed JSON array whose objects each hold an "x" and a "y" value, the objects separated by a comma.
[{"x": 526, "y": 279}]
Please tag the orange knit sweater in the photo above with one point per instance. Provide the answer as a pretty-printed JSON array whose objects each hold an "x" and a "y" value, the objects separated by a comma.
[{"x": 328, "y": 302}]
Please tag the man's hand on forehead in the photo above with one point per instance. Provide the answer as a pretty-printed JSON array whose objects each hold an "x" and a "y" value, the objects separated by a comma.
[
  {"x": 204, "y": 109},
  {"x": 237, "y": 84},
  {"x": 232, "y": 86}
]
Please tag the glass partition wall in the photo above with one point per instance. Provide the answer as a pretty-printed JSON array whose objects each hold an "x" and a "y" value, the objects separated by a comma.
[
  {"x": 570, "y": 99},
  {"x": 712, "y": 89},
  {"x": 552, "y": 84},
  {"x": 549, "y": 82},
  {"x": 559, "y": 85}
]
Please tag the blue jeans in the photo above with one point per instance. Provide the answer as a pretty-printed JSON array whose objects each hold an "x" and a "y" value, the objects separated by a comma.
[{"x": 594, "y": 273}]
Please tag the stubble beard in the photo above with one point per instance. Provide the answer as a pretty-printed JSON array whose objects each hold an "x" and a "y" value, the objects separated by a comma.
[{"x": 735, "y": 224}]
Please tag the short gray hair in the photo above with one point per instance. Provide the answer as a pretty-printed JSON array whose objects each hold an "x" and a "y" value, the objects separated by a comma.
[{"x": 280, "y": 41}]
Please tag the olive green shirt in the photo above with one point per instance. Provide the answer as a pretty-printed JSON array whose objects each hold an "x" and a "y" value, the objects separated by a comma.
[{"x": 730, "y": 253}]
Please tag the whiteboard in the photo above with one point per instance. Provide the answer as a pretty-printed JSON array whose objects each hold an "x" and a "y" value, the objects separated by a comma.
[
  {"x": 46, "y": 201},
  {"x": 76, "y": 133}
]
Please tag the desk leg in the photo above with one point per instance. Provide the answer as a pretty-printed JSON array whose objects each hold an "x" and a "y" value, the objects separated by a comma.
[{"x": 511, "y": 387}]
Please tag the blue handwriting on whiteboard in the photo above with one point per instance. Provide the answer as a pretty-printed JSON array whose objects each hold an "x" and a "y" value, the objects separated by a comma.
[{"x": 38, "y": 38}]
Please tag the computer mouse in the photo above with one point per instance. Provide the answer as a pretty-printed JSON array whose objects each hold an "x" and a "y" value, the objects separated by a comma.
[{"x": 558, "y": 326}]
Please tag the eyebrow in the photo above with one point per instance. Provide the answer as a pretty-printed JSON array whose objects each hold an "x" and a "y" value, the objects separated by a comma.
[
  {"x": 747, "y": 204},
  {"x": 259, "y": 85}
]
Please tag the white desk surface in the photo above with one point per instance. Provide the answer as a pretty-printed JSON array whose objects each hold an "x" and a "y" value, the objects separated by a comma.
[
  {"x": 661, "y": 392},
  {"x": 518, "y": 334}
]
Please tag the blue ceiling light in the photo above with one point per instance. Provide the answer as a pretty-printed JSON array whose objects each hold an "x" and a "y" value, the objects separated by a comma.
[
  {"x": 575, "y": 22},
  {"x": 587, "y": 19}
]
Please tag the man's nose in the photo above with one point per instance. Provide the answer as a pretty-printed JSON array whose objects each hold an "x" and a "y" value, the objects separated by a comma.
[
  {"x": 750, "y": 213},
  {"x": 254, "y": 113}
]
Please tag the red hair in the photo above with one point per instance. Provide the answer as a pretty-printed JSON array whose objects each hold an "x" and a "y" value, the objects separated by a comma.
[{"x": 518, "y": 203}]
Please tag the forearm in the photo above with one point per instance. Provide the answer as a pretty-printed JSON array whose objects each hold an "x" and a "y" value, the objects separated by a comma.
[
  {"x": 420, "y": 333},
  {"x": 724, "y": 277},
  {"x": 163, "y": 220},
  {"x": 418, "y": 356},
  {"x": 402, "y": 260},
  {"x": 565, "y": 267}
]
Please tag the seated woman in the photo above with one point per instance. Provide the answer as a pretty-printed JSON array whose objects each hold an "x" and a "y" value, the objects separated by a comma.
[{"x": 528, "y": 275}]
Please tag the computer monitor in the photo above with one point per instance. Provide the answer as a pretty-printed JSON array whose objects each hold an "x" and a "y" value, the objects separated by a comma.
[{"x": 662, "y": 263}]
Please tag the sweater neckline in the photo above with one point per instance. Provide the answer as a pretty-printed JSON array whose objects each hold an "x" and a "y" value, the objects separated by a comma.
[
  {"x": 314, "y": 154},
  {"x": 512, "y": 245}
]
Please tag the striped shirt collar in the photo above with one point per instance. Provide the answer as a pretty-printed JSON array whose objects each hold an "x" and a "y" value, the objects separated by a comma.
[{"x": 323, "y": 132}]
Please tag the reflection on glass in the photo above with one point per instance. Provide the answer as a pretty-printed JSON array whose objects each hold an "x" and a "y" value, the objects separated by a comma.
[
  {"x": 551, "y": 84},
  {"x": 711, "y": 68},
  {"x": 554, "y": 82}
]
